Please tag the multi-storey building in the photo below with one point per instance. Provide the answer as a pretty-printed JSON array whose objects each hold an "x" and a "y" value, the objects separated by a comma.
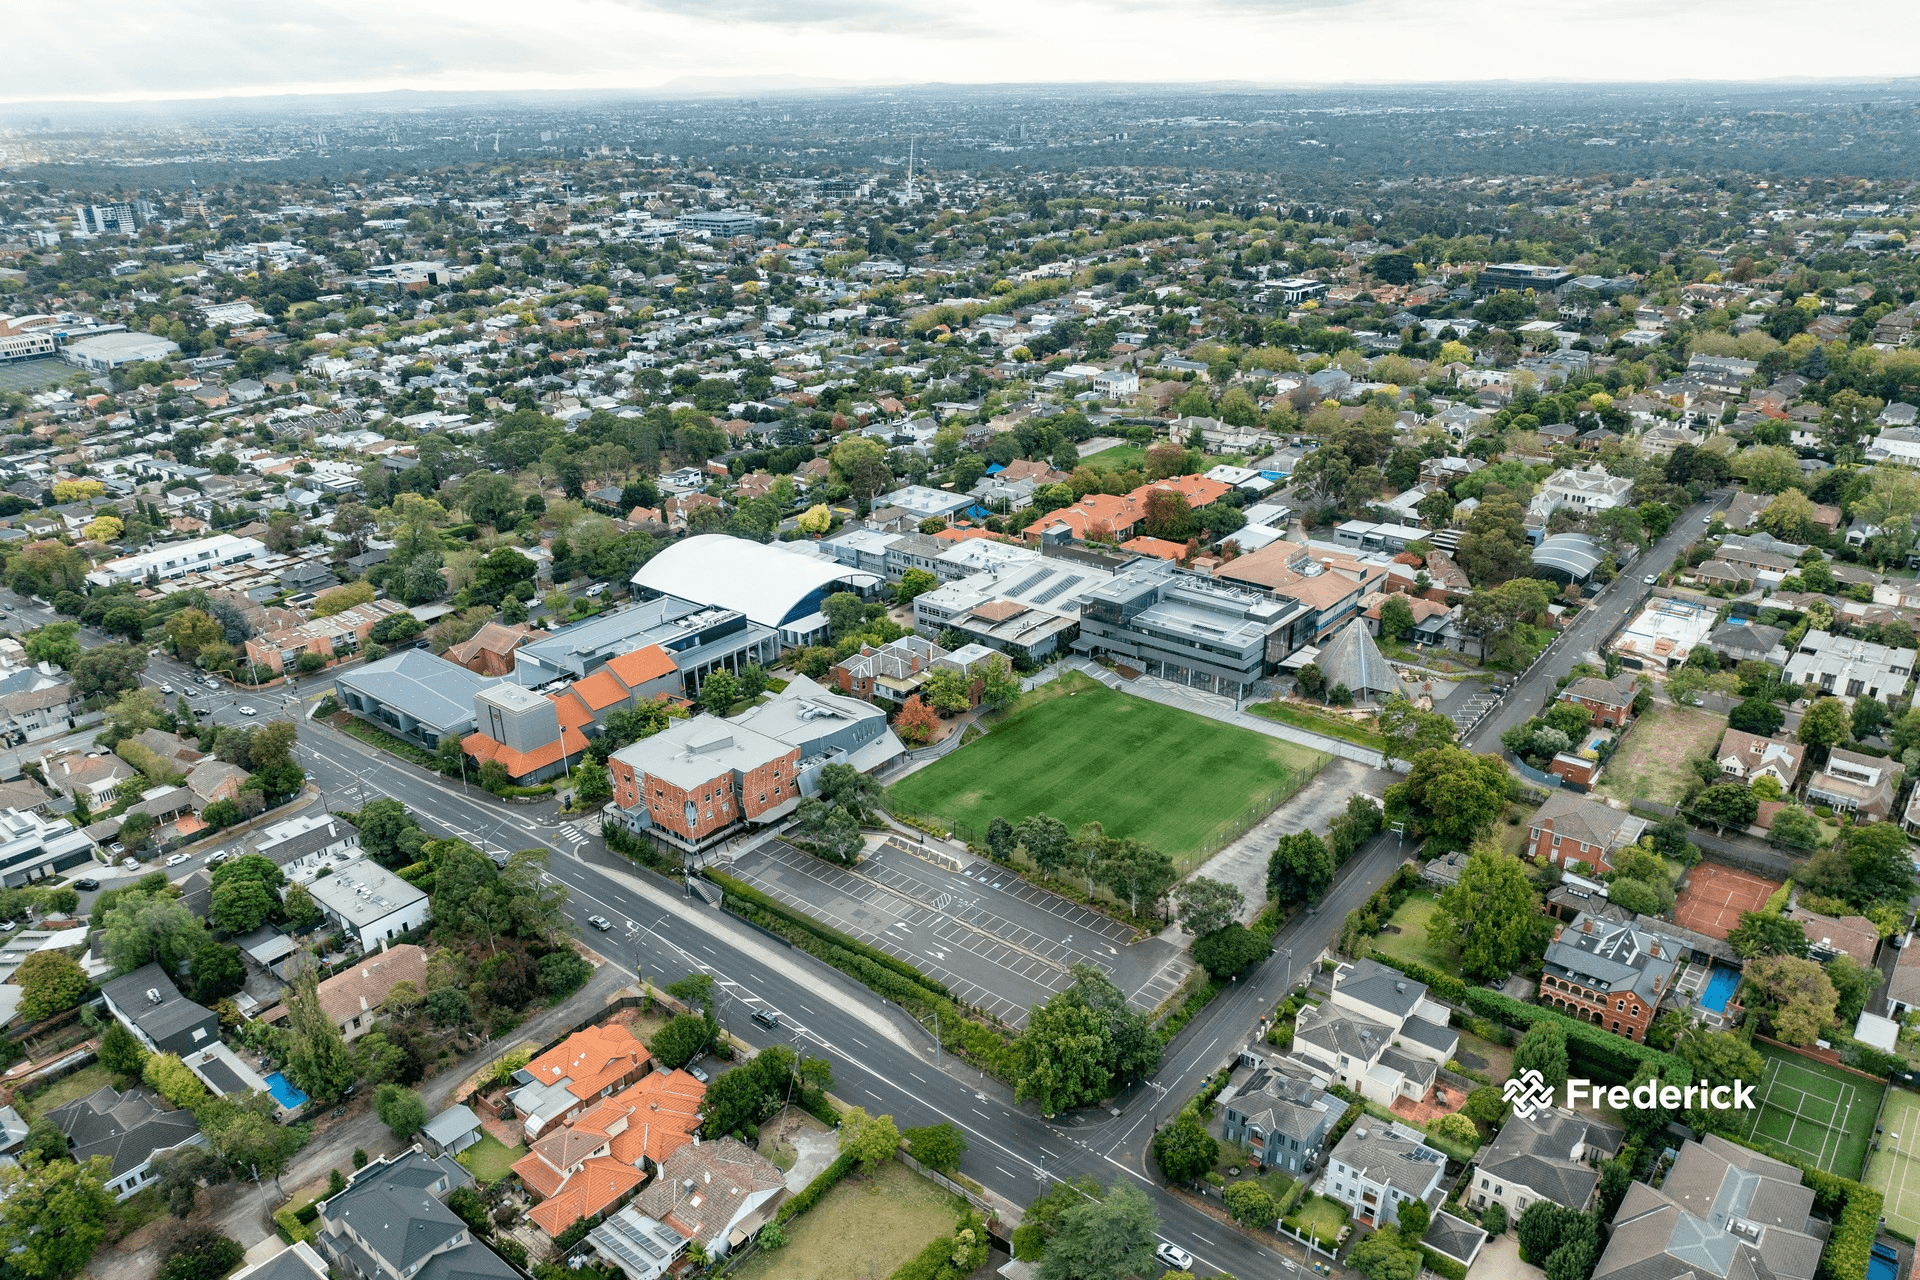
[
  {"x": 699, "y": 779},
  {"x": 1612, "y": 975},
  {"x": 1378, "y": 1167},
  {"x": 1551, "y": 1155},
  {"x": 1191, "y": 628}
]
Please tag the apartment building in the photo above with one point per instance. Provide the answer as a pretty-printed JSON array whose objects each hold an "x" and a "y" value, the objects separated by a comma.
[
  {"x": 172, "y": 560},
  {"x": 1850, "y": 668},
  {"x": 698, "y": 779}
]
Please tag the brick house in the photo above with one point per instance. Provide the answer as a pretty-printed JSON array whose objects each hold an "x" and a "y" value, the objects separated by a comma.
[
  {"x": 1609, "y": 974},
  {"x": 1610, "y": 701},
  {"x": 1570, "y": 828}
]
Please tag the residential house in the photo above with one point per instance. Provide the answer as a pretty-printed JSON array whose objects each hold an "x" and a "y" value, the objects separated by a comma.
[
  {"x": 1828, "y": 936},
  {"x": 369, "y": 903},
  {"x": 571, "y": 1175},
  {"x": 352, "y": 998},
  {"x": 392, "y": 1223},
  {"x": 1379, "y": 1166},
  {"x": 1721, "y": 1210},
  {"x": 1746, "y": 756},
  {"x": 1551, "y": 1155},
  {"x": 892, "y": 672},
  {"x": 213, "y": 780},
  {"x": 1849, "y": 668},
  {"x": 94, "y": 777},
  {"x": 1569, "y": 828},
  {"x": 1760, "y": 554},
  {"x": 33, "y": 847},
  {"x": 1585, "y": 489},
  {"x": 1740, "y": 641},
  {"x": 302, "y": 844},
  {"x": 130, "y": 1129},
  {"x": 489, "y": 652},
  {"x": 46, "y": 709},
  {"x": 148, "y": 1004},
  {"x": 607, "y": 1150},
  {"x": 1379, "y": 1035},
  {"x": 1612, "y": 975},
  {"x": 716, "y": 1194},
  {"x": 1610, "y": 701},
  {"x": 1284, "y": 1117},
  {"x": 588, "y": 1065},
  {"x": 1854, "y": 783}
]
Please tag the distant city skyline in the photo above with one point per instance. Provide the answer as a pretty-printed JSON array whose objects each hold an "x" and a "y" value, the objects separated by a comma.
[{"x": 192, "y": 49}]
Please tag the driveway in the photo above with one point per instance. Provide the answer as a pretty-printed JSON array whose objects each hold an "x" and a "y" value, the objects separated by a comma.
[{"x": 1500, "y": 1260}]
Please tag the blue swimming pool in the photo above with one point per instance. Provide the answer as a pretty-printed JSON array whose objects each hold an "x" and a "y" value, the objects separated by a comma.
[
  {"x": 1720, "y": 989},
  {"x": 284, "y": 1093},
  {"x": 1884, "y": 1263}
]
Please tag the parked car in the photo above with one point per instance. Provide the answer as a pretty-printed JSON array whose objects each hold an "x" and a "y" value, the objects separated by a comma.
[
  {"x": 175, "y": 859},
  {"x": 86, "y": 884},
  {"x": 116, "y": 848},
  {"x": 1172, "y": 1255},
  {"x": 1652, "y": 579},
  {"x": 698, "y": 1074},
  {"x": 129, "y": 864},
  {"x": 597, "y": 590}
]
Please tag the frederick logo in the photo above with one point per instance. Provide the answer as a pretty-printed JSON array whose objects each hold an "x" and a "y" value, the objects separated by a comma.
[{"x": 1529, "y": 1092}]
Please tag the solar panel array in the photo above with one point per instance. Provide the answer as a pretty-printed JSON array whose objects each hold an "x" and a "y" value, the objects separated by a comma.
[
  {"x": 1064, "y": 584},
  {"x": 1030, "y": 582}
]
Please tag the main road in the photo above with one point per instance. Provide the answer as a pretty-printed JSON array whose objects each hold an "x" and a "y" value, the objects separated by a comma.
[{"x": 1596, "y": 622}]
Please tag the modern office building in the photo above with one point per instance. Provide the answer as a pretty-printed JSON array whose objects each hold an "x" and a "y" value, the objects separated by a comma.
[
  {"x": 1519, "y": 277},
  {"x": 697, "y": 780},
  {"x": 699, "y": 638},
  {"x": 1198, "y": 630},
  {"x": 413, "y": 695}
]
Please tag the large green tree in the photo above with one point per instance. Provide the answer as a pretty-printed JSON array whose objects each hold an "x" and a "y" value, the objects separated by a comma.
[
  {"x": 1184, "y": 1150},
  {"x": 1108, "y": 1239},
  {"x": 317, "y": 1056},
  {"x": 50, "y": 982},
  {"x": 1299, "y": 869},
  {"x": 1543, "y": 1049},
  {"x": 1491, "y": 915},
  {"x": 1452, "y": 795},
  {"x": 53, "y": 1215}
]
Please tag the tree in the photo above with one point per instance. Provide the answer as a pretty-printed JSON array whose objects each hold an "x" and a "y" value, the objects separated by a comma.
[
  {"x": 1767, "y": 934},
  {"x": 1059, "y": 1061},
  {"x": 501, "y": 573},
  {"x": 50, "y": 982},
  {"x": 1852, "y": 983},
  {"x": 108, "y": 668},
  {"x": 54, "y": 643},
  {"x": 1207, "y": 905},
  {"x": 1184, "y": 1150},
  {"x": 1046, "y": 839},
  {"x": 1768, "y": 468},
  {"x": 1719, "y": 1059},
  {"x": 947, "y": 691},
  {"x": 181, "y": 1173},
  {"x": 913, "y": 584},
  {"x": 241, "y": 1128},
  {"x": 1889, "y": 507},
  {"x": 999, "y": 685},
  {"x": 1396, "y": 618},
  {"x": 1454, "y": 1127},
  {"x": 684, "y": 1038},
  {"x": 815, "y": 520},
  {"x": 1491, "y": 914},
  {"x": 860, "y": 463},
  {"x": 382, "y": 823},
  {"x": 189, "y": 631},
  {"x": 53, "y": 1215},
  {"x": 1825, "y": 723},
  {"x": 1384, "y": 1256},
  {"x": 868, "y": 1139},
  {"x": 1794, "y": 828},
  {"x": 317, "y": 1056},
  {"x": 1228, "y": 951},
  {"x": 1542, "y": 1229},
  {"x": 1299, "y": 869},
  {"x": 218, "y": 972},
  {"x": 150, "y": 928},
  {"x": 1497, "y": 614},
  {"x": 1757, "y": 715},
  {"x": 845, "y": 614},
  {"x": 591, "y": 783},
  {"x": 1800, "y": 997},
  {"x": 1410, "y": 731},
  {"x": 1543, "y": 1049},
  {"x": 1726, "y": 804},
  {"x": 1250, "y": 1204},
  {"x": 1106, "y": 1239},
  {"x": 173, "y": 1080},
  {"x": 1413, "y": 1216},
  {"x": 1137, "y": 872},
  {"x": 938, "y": 1146},
  {"x": 916, "y": 722},
  {"x": 120, "y": 1053},
  {"x": 1878, "y": 863},
  {"x": 401, "y": 1110},
  {"x": 199, "y": 1253},
  {"x": 718, "y": 692},
  {"x": 1455, "y": 795},
  {"x": 240, "y": 906}
]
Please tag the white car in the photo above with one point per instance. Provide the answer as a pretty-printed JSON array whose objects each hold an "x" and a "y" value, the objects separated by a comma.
[
  {"x": 1172, "y": 1255},
  {"x": 248, "y": 711},
  {"x": 166, "y": 688},
  {"x": 1652, "y": 579},
  {"x": 175, "y": 859}
]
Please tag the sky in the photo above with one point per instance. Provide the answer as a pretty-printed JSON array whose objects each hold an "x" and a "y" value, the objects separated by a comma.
[{"x": 188, "y": 49}]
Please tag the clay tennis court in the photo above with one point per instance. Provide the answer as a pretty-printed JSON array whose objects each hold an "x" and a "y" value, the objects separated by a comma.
[{"x": 1715, "y": 896}]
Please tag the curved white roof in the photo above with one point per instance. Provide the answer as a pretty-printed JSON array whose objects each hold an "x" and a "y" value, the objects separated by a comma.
[{"x": 765, "y": 581}]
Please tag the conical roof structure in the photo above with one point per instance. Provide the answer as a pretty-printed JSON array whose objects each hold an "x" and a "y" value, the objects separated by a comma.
[{"x": 1353, "y": 659}]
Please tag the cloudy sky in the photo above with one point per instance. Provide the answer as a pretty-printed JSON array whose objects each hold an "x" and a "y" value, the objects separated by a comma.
[{"x": 160, "y": 49}]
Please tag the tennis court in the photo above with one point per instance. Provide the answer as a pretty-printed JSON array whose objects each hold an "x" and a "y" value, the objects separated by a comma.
[
  {"x": 1822, "y": 1114},
  {"x": 1715, "y": 896},
  {"x": 1894, "y": 1170}
]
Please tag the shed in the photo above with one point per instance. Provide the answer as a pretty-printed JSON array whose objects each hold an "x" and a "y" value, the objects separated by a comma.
[{"x": 452, "y": 1131}]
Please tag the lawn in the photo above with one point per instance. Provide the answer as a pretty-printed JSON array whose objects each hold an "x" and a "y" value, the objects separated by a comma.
[
  {"x": 1081, "y": 752},
  {"x": 1334, "y": 726},
  {"x": 66, "y": 1089},
  {"x": 1121, "y": 457},
  {"x": 865, "y": 1227},
  {"x": 489, "y": 1159},
  {"x": 1653, "y": 762},
  {"x": 1411, "y": 942},
  {"x": 1319, "y": 1217}
]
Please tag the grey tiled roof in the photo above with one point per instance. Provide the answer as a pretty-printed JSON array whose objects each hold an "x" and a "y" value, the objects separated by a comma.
[
  {"x": 1454, "y": 1237},
  {"x": 1389, "y": 1158},
  {"x": 129, "y": 1129},
  {"x": 1687, "y": 1227}
]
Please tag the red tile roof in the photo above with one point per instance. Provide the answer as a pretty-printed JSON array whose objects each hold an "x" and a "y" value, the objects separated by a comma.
[{"x": 642, "y": 665}]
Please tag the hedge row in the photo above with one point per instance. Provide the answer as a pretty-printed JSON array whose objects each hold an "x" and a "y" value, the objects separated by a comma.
[
  {"x": 623, "y": 841},
  {"x": 936, "y": 1261},
  {"x": 1440, "y": 1264},
  {"x": 741, "y": 889},
  {"x": 1855, "y": 1210},
  {"x": 823, "y": 1182},
  {"x": 1608, "y": 1058}
]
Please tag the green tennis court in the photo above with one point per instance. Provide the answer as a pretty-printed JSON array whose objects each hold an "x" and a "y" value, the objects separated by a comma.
[
  {"x": 1894, "y": 1170},
  {"x": 1820, "y": 1113}
]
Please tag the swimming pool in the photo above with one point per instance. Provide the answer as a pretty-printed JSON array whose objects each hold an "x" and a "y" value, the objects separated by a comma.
[
  {"x": 284, "y": 1093},
  {"x": 1883, "y": 1264},
  {"x": 1720, "y": 988}
]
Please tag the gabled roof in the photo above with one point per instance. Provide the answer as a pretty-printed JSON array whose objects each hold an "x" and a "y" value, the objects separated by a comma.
[
  {"x": 590, "y": 1060},
  {"x": 595, "y": 1185},
  {"x": 1537, "y": 1152},
  {"x": 1352, "y": 658},
  {"x": 650, "y": 662},
  {"x": 128, "y": 1128}
]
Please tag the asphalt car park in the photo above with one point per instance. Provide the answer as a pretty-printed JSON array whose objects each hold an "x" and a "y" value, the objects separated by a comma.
[{"x": 997, "y": 942}]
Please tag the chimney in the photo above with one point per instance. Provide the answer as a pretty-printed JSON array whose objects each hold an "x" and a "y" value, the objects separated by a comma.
[
  {"x": 686, "y": 1188},
  {"x": 363, "y": 1004},
  {"x": 1586, "y": 926}
]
